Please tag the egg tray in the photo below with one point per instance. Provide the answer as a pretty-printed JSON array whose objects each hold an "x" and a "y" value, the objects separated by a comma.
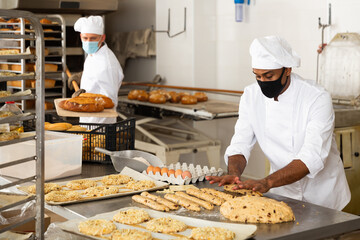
[{"x": 198, "y": 173}]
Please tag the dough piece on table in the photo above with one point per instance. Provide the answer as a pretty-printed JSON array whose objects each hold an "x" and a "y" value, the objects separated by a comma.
[
  {"x": 257, "y": 210},
  {"x": 96, "y": 227},
  {"x": 218, "y": 193},
  {"x": 165, "y": 225},
  {"x": 247, "y": 192},
  {"x": 150, "y": 203},
  {"x": 186, "y": 203},
  {"x": 48, "y": 187},
  {"x": 100, "y": 191},
  {"x": 140, "y": 185},
  {"x": 62, "y": 196},
  {"x": 205, "y": 196},
  {"x": 81, "y": 184},
  {"x": 160, "y": 200},
  {"x": 202, "y": 203},
  {"x": 116, "y": 179},
  {"x": 130, "y": 234},
  {"x": 131, "y": 216},
  {"x": 212, "y": 233}
]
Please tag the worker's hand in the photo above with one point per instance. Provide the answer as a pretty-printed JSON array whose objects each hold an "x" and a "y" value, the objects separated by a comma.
[
  {"x": 255, "y": 185},
  {"x": 78, "y": 92},
  {"x": 321, "y": 48},
  {"x": 223, "y": 180},
  {"x": 75, "y": 77}
]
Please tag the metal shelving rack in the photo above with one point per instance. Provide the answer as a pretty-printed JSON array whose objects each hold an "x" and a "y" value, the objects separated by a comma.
[{"x": 39, "y": 116}]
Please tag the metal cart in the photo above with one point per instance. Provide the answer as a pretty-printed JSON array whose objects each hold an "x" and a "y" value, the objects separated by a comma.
[{"x": 38, "y": 116}]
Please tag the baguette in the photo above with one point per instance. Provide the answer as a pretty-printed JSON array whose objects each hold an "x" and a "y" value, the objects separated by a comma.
[
  {"x": 58, "y": 126},
  {"x": 81, "y": 104},
  {"x": 169, "y": 204},
  {"x": 205, "y": 196},
  {"x": 150, "y": 203},
  {"x": 190, "y": 205},
  {"x": 107, "y": 102},
  {"x": 202, "y": 203}
]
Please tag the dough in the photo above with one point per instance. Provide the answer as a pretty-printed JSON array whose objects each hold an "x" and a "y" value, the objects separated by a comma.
[
  {"x": 96, "y": 227},
  {"x": 106, "y": 101},
  {"x": 212, "y": 233},
  {"x": 48, "y": 187},
  {"x": 140, "y": 185},
  {"x": 216, "y": 193},
  {"x": 62, "y": 196},
  {"x": 101, "y": 191},
  {"x": 116, "y": 179},
  {"x": 130, "y": 234},
  {"x": 205, "y": 196},
  {"x": 165, "y": 225},
  {"x": 160, "y": 200},
  {"x": 186, "y": 203},
  {"x": 257, "y": 210},
  {"x": 202, "y": 203},
  {"x": 188, "y": 99},
  {"x": 150, "y": 203},
  {"x": 247, "y": 192},
  {"x": 132, "y": 216},
  {"x": 81, "y": 184}
]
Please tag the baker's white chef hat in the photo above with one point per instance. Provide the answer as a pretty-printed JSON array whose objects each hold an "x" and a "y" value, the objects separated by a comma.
[
  {"x": 92, "y": 24},
  {"x": 272, "y": 52}
]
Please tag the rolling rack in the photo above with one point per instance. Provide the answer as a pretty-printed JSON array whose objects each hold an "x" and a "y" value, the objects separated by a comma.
[{"x": 38, "y": 115}]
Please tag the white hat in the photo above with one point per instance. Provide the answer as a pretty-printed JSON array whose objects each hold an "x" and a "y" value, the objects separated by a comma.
[
  {"x": 92, "y": 24},
  {"x": 272, "y": 52}
]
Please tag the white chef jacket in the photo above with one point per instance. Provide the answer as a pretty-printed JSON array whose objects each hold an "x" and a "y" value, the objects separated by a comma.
[
  {"x": 102, "y": 74},
  {"x": 298, "y": 126}
]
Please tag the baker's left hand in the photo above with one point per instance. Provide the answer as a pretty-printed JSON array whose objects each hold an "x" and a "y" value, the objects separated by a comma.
[{"x": 255, "y": 185}]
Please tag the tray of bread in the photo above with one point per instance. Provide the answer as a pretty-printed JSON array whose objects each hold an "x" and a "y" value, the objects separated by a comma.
[
  {"x": 139, "y": 223},
  {"x": 85, "y": 105},
  {"x": 126, "y": 183},
  {"x": 182, "y": 173}
]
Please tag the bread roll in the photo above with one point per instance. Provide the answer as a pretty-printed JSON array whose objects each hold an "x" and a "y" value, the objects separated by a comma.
[
  {"x": 108, "y": 103},
  {"x": 162, "y": 92},
  {"x": 175, "y": 97},
  {"x": 201, "y": 97},
  {"x": 45, "y": 21},
  {"x": 143, "y": 96},
  {"x": 188, "y": 99},
  {"x": 133, "y": 94},
  {"x": 82, "y": 104},
  {"x": 157, "y": 98}
]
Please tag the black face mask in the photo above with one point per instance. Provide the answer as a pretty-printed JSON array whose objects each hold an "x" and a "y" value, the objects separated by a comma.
[{"x": 272, "y": 89}]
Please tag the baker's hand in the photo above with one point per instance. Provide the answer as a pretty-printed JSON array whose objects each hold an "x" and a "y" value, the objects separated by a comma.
[
  {"x": 78, "y": 92},
  {"x": 255, "y": 185},
  {"x": 223, "y": 180},
  {"x": 75, "y": 77}
]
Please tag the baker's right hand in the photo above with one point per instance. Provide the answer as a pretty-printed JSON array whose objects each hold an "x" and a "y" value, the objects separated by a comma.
[
  {"x": 75, "y": 77},
  {"x": 223, "y": 180}
]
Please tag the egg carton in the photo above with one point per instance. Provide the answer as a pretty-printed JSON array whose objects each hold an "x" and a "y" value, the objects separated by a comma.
[{"x": 198, "y": 173}]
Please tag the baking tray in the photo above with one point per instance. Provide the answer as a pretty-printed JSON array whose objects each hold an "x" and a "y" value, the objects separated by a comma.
[
  {"x": 124, "y": 192},
  {"x": 65, "y": 113},
  {"x": 242, "y": 231}
]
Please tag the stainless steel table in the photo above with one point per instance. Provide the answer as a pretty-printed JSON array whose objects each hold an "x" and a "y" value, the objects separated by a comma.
[{"x": 312, "y": 221}]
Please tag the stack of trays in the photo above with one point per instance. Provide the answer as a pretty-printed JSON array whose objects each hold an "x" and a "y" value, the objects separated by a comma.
[{"x": 198, "y": 173}]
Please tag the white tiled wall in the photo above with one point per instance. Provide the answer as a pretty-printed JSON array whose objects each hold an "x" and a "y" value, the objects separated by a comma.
[{"x": 214, "y": 52}]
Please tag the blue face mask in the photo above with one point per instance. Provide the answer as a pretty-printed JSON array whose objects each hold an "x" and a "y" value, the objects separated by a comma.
[{"x": 90, "y": 47}]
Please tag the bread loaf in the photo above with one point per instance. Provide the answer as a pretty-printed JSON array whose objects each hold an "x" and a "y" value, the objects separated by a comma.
[
  {"x": 188, "y": 99},
  {"x": 201, "y": 97},
  {"x": 45, "y": 21},
  {"x": 58, "y": 126},
  {"x": 107, "y": 102},
  {"x": 82, "y": 104},
  {"x": 157, "y": 98}
]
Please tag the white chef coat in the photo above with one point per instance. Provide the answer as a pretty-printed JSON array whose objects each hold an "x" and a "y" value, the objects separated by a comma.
[
  {"x": 298, "y": 126},
  {"x": 102, "y": 74}
]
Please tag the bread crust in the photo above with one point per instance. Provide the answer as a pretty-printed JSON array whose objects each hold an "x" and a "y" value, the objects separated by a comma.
[
  {"x": 81, "y": 104},
  {"x": 108, "y": 103}
]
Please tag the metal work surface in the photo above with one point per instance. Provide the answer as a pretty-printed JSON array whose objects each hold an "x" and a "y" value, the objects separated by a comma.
[
  {"x": 210, "y": 109},
  {"x": 312, "y": 221}
]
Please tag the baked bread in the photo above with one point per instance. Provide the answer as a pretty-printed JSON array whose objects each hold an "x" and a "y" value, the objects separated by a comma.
[
  {"x": 45, "y": 21},
  {"x": 7, "y": 136},
  {"x": 201, "y": 96},
  {"x": 82, "y": 104},
  {"x": 58, "y": 126},
  {"x": 13, "y": 20},
  {"x": 143, "y": 96},
  {"x": 157, "y": 98},
  {"x": 76, "y": 128},
  {"x": 165, "y": 225},
  {"x": 257, "y": 210},
  {"x": 106, "y": 101},
  {"x": 133, "y": 94},
  {"x": 131, "y": 216},
  {"x": 188, "y": 99},
  {"x": 4, "y": 94},
  {"x": 175, "y": 97},
  {"x": 130, "y": 234}
]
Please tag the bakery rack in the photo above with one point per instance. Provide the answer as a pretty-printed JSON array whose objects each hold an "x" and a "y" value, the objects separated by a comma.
[{"x": 38, "y": 115}]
